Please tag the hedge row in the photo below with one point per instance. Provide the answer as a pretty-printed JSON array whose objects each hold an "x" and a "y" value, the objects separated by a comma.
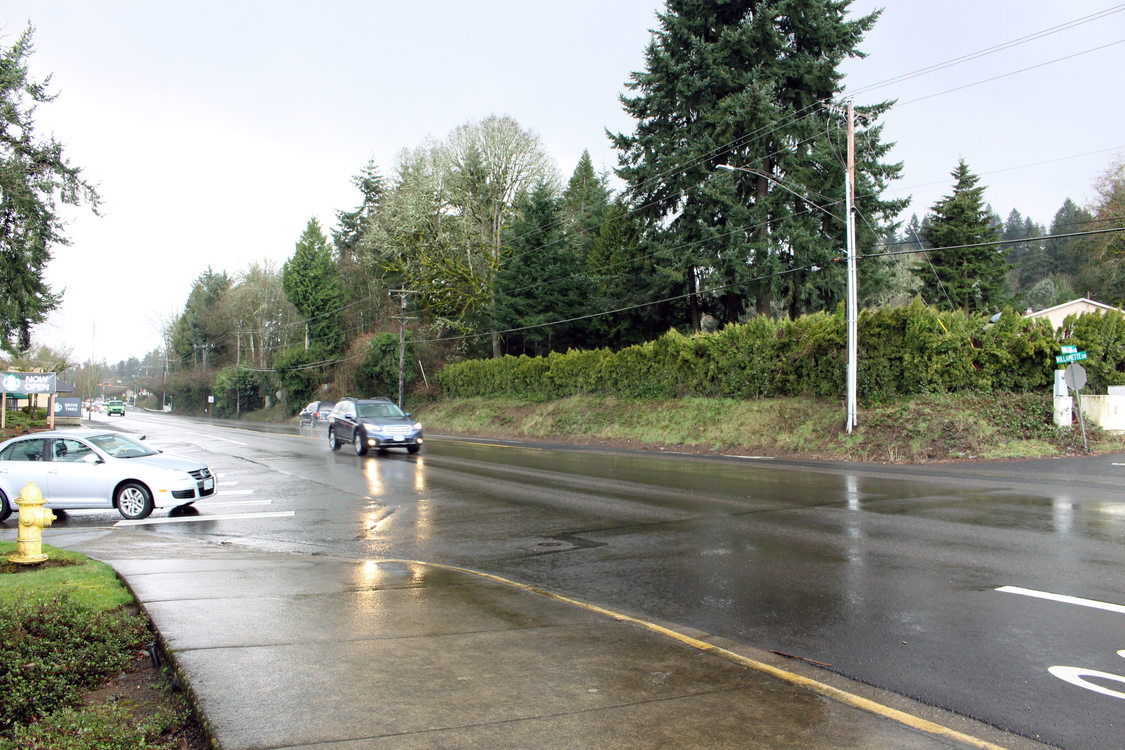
[{"x": 902, "y": 352}]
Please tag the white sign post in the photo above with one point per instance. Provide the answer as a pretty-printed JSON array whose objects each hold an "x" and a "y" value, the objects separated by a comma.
[{"x": 1075, "y": 375}]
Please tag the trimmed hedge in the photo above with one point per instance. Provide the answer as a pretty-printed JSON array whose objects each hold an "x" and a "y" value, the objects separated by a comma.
[{"x": 902, "y": 352}]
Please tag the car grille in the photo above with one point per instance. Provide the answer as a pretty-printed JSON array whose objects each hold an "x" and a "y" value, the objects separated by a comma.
[
  {"x": 199, "y": 475},
  {"x": 397, "y": 429}
]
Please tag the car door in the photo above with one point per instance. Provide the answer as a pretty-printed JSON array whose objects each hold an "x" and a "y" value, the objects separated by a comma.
[
  {"x": 24, "y": 462},
  {"x": 345, "y": 429},
  {"x": 74, "y": 479}
]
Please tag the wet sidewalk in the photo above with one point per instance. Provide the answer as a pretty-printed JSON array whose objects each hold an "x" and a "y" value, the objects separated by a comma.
[{"x": 288, "y": 651}]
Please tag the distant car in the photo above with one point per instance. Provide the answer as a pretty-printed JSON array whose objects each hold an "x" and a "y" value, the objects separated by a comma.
[
  {"x": 99, "y": 469},
  {"x": 315, "y": 413},
  {"x": 372, "y": 423},
  {"x": 115, "y": 407}
]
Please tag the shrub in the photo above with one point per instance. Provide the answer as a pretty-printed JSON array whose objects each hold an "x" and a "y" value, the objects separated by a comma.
[
  {"x": 909, "y": 351},
  {"x": 57, "y": 649}
]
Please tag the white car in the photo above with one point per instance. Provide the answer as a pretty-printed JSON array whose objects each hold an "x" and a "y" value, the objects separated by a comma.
[{"x": 99, "y": 469}]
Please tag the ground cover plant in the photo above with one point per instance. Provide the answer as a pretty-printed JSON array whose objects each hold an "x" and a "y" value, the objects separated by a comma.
[{"x": 75, "y": 670}]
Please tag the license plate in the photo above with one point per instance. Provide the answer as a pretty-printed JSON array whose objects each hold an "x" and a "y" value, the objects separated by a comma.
[
  {"x": 208, "y": 484},
  {"x": 399, "y": 438}
]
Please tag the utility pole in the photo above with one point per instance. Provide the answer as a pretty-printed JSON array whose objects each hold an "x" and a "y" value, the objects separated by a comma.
[
  {"x": 402, "y": 318},
  {"x": 852, "y": 305}
]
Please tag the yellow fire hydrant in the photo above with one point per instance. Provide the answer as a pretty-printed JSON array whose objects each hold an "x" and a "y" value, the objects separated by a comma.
[{"x": 33, "y": 519}]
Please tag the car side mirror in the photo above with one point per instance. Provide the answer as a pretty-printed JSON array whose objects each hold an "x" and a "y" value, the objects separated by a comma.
[{"x": 91, "y": 458}]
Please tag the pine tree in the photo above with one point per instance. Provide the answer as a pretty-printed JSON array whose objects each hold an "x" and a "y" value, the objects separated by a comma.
[
  {"x": 745, "y": 83},
  {"x": 541, "y": 282},
  {"x": 585, "y": 202},
  {"x": 348, "y": 243},
  {"x": 34, "y": 176},
  {"x": 967, "y": 269},
  {"x": 1066, "y": 254},
  {"x": 312, "y": 285}
]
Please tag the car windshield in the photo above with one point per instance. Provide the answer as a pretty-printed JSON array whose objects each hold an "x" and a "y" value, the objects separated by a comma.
[
  {"x": 378, "y": 410},
  {"x": 120, "y": 446}
]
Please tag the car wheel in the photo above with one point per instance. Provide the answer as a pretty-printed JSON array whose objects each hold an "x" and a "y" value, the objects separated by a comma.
[
  {"x": 359, "y": 443},
  {"x": 134, "y": 501},
  {"x": 412, "y": 448},
  {"x": 5, "y": 508},
  {"x": 333, "y": 442}
]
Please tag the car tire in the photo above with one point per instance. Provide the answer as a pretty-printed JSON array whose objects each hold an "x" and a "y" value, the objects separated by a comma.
[
  {"x": 134, "y": 501},
  {"x": 359, "y": 442},
  {"x": 333, "y": 442},
  {"x": 5, "y": 508},
  {"x": 413, "y": 448}
]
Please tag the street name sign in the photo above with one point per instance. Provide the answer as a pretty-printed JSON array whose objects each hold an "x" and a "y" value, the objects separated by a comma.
[{"x": 1062, "y": 359}]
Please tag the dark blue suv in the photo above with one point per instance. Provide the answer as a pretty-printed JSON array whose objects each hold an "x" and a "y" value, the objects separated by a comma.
[{"x": 372, "y": 423}]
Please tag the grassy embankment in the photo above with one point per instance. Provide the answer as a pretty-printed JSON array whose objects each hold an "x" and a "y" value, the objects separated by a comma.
[{"x": 931, "y": 428}]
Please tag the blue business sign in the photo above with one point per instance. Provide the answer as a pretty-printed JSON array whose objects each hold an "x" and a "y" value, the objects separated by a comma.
[
  {"x": 68, "y": 407},
  {"x": 27, "y": 382}
]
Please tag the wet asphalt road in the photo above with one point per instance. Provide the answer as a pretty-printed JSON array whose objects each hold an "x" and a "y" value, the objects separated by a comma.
[{"x": 889, "y": 576}]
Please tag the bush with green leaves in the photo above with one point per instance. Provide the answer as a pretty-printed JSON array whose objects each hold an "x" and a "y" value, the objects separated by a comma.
[
  {"x": 907, "y": 351},
  {"x": 377, "y": 374},
  {"x": 56, "y": 650},
  {"x": 110, "y": 726},
  {"x": 237, "y": 391}
]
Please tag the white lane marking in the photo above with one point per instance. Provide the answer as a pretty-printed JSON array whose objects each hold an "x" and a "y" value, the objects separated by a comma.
[
  {"x": 1075, "y": 675},
  {"x": 750, "y": 458},
  {"x": 1092, "y": 603},
  {"x": 215, "y": 437},
  {"x": 209, "y": 504},
  {"x": 1117, "y": 464},
  {"x": 193, "y": 519}
]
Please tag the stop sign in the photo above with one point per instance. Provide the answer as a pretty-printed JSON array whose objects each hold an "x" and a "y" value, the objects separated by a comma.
[{"x": 1075, "y": 375}]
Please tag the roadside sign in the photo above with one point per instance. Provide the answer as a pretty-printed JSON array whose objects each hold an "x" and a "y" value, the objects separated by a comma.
[
  {"x": 1075, "y": 376},
  {"x": 1069, "y": 349},
  {"x": 1062, "y": 359}
]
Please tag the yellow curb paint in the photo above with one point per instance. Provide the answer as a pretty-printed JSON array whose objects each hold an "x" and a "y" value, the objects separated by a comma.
[{"x": 850, "y": 699}]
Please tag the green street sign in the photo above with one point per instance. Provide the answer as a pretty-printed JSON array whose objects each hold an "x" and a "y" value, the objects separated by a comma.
[
  {"x": 1063, "y": 359},
  {"x": 1069, "y": 349}
]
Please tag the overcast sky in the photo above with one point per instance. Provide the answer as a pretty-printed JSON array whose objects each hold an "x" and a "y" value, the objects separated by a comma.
[{"x": 215, "y": 130}]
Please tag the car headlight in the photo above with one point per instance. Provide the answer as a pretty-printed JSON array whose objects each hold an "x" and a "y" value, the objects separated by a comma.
[
  {"x": 417, "y": 425},
  {"x": 372, "y": 427}
]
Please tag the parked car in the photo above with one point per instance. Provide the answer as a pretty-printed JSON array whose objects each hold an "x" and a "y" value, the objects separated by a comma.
[
  {"x": 315, "y": 413},
  {"x": 115, "y": 407},
  {"x": 372, "y": 423},
  {"x": 99, "y": 469}
]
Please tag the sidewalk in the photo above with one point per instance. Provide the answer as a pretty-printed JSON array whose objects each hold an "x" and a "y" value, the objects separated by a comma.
[{"x": 287, "y": 651}]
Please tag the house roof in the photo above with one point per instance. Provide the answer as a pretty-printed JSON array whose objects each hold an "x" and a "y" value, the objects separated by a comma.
[{"x": 1046, "y": 312}]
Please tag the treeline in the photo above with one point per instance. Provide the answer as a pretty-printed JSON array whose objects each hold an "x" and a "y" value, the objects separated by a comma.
[
  {"x": 729, "y": 216},
  {"x": 903, "y": 351}
]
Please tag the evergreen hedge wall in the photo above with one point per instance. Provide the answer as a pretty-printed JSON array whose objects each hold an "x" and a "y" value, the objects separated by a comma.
[{"x": 902, "y": 352}]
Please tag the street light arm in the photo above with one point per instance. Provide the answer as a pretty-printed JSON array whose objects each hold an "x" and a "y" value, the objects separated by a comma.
[{"x": 780, "y": 184}]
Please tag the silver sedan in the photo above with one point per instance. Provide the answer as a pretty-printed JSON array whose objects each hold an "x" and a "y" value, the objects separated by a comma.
[{"x": 99, "y": 469}]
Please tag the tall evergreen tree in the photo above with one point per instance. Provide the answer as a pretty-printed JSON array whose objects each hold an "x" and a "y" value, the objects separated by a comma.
[
  {"x": 967, "y": 269},
  {"x": 34, "y": 177},
  {"x": 347, "y": 241},
  {"x": 312, "y": 285},
  {"x": 585, "y": 202},
  {"x": 638, "y": 297},
  {"x": 542, "y": 281},
  {"x": 201, "y": 334},
  {"x": 1066, "y": 254},
  {"x": 745, "y": 83}
]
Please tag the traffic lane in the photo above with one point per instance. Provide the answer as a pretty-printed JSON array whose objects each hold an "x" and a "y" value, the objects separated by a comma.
[
  {"x": 896, "y": 591},
  {"x": 469, "y": 509}
]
